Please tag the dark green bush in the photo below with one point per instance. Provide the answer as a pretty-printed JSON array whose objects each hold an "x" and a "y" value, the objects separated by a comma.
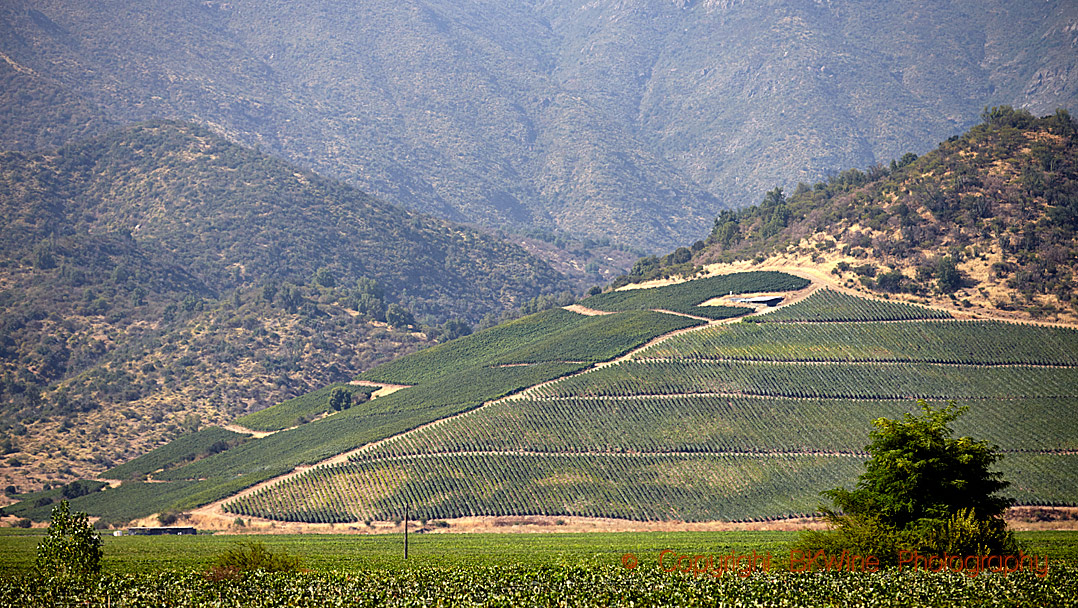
[{"x": 250, "y": 556}]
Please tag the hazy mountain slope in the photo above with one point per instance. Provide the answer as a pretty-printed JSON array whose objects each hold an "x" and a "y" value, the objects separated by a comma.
[
  {"x": 745, "y": 96},
  {"x": 233, "y": 216},
  {"x": 632, "y": 120},
  {"x": 159, "y": 271},
  {"x": 428, "y": 107}
]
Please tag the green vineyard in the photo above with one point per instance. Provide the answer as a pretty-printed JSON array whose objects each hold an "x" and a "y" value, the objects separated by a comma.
[
  {"x": 830, "y": 380},
  {"x": 968, "y": 342},
  {"x": 630, "y": 486},
  {"x": 828, "y": 305},
  {"x": 714, "y": 424},
  {"x": 187, "y": 448},
  {"x": 732, "y": 421},
  {"x": 720, "y": 420},
  {"x": 655, "y": 487},
  {"x": 685, "y": 298},
  {"x": 551, "y": 336},
  {"x": 301, "y": 409}
]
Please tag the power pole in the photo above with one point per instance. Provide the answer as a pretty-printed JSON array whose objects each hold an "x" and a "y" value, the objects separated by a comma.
[{"x": 405, "y": 532}]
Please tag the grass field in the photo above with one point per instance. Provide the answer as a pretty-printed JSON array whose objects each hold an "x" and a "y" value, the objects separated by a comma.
[
  {"x": 518, "y": 570},
  {"x": 358, "y": 552}
]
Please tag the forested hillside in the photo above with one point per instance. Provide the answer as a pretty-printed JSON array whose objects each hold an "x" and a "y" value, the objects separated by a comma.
[
  {"x": 633, "y": 120},
  {"x": 159, "y": 277},
  {"x": 987, "y": 223}
]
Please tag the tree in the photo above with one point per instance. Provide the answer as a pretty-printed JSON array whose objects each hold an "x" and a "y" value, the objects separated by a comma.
[
  {"x": 918, "y": 471},
  {"x": 291, "y": 298},
  {"x": 72, "y": 546},
  {"x": 398, "y": 316},
  {"x": 922, "y": 489},
  {"x": 947, "y": 274},
  {"x": 324, "y": 277},
  {"x": 455, "y": 328},
  {"x": 340, "y": 399}
]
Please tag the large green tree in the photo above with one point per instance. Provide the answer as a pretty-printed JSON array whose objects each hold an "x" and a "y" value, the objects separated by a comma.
[
  {"x": 918, "y": 471},
  {"x": 922, "y": 489},
  {"x": 72, "y": 546}
]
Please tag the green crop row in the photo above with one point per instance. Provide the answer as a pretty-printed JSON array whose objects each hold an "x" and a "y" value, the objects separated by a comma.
[
  {"x": 641, "y": 487},
  {"x": 370, "y": 421},
  {"x": 683, "y": 487},
  {"x": 585, "y": 584},
  {"x": 823, "y": 380},
  {"x": 685, "y": 297},
  {"x": 132, "y": 499},
  {"x": 301, "y": 409},
  {"x": 987, "y": 342},
  {"x": 721, "y": 424},
  {"x": 179, "y": 451},
  {"x": 598, "y": 338},
  {"x": 33, "y": 504},
  {"x": 480, "y": 349},
  {"x": 222, "y": 474},
  {"x": 828, "y": 305},
  {"x": 551, "y": 336}
]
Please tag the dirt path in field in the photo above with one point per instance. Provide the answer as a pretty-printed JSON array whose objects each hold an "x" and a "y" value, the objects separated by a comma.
[
  {"x": 1019, "y": 518},
  {"x": 822, "y": 279},
  {"x": 214, "y": 508},
  {"x": 242, "y": 430},
  {"x": 682, "y": 314},
  {"x": 848, "y": 362},
  {"x": 384, "y": 388},
  {"x": 638, "y": 454},
  {"x": 531, "y": 390},
  {"x": 587, "y": 312},
  {"x": 744, "y": 395}
]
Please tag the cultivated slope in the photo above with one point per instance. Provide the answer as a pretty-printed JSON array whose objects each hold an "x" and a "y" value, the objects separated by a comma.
[
  {"x": 640, "y": 415},
  {"x": 985, "y": 224}
]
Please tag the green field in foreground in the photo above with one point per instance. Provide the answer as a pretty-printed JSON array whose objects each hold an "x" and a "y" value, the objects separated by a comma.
[
  {"x": 354, "y": 552},
  {"x": 518, "y": 570}
]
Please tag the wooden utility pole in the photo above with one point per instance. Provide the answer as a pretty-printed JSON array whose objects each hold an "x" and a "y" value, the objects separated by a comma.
[{"x": 405, "y": 532}]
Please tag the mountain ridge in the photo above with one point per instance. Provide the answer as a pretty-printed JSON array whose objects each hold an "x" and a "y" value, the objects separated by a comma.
[{"x": 633, "y": 121}]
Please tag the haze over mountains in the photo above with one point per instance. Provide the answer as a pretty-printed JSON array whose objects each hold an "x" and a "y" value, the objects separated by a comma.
[{"x": 638, "y": 120}]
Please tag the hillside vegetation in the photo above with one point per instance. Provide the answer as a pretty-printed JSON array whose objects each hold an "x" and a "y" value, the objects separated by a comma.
[
  {"x": 446, "y": 380},
  {"x": 561, "y": 414},
  {"x": 635, "y": 120},
  {"x": 987, "y": 223},
  {"x": 726, "y": 421},
  {"x": 159, "y": 278}
]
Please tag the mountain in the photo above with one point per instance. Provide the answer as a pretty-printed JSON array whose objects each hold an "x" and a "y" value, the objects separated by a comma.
[
  {"x": 634, "y": 120},
  {"x": 987, "y": 223},
  {"x": 160, "y": 277}
]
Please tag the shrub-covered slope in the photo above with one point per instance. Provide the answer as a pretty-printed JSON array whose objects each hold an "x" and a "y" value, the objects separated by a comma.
[
  {"x": 159, "y": 277},
  {"x": 988, "y": 221}
]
